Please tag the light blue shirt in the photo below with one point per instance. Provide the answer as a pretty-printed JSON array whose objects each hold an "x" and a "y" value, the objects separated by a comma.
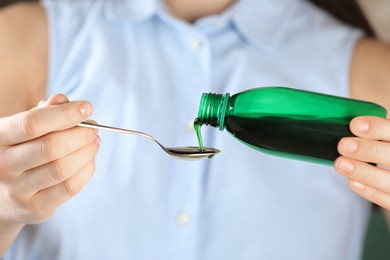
[{"x": 146, "y": 70}]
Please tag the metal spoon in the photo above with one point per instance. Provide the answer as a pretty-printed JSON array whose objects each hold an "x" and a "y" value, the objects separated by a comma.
[{"x": 184, "y": 152}]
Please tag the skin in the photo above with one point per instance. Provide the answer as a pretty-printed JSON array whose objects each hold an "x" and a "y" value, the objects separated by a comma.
[
  {"x": 191, "y": 11},
  {"x": 369, "y": 80},
  {"x": 33, "y": 187}
]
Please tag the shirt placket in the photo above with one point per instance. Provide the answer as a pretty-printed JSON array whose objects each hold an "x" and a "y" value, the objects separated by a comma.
[{"x": 186, "y": 190}]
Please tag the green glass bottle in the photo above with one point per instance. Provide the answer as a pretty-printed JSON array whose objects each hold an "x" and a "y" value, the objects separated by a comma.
[{"x": 286, "y": 122}]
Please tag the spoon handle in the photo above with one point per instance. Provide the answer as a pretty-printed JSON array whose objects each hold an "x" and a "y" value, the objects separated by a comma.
[{"x": 115, "y": 129}]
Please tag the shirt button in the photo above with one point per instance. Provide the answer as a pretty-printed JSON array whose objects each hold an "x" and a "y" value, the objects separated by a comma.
[
  {"x": 195, "y": 44},
  {"x": 183, "y": 219}
]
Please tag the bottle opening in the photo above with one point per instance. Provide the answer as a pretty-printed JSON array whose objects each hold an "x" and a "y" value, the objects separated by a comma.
[{"x": 212, "y": 109}]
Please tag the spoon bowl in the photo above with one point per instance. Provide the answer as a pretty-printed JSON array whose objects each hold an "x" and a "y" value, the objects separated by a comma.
[
  {"x": 183, "y": 152},
  {"x": 192, "y": 152}
]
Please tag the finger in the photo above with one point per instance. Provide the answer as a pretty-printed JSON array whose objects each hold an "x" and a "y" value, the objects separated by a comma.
[
  {"x": 48, "y": 148},
  {"x": 365, "y": 150},
  {"x": 363, "y": 173},
  {"x": 56, "y": 99},
  {"x": 371, "y": 127},
  {"x": 374, "y": 195},
  {"x": 34, "y": 123},
  {"x": 50, "y": 198},
  {"x": 50, "y": 174}
]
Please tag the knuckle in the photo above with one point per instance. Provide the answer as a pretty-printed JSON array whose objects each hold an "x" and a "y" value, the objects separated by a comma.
[
  {"x": 58, "y": 171},
  {"x": 21, "y": 201},
  {"x": 73, "y": 186},
  {"x": 70, "y": 188},
  {"x": 90, "y": 135},
  {"x": 70, "y": 115},
  {"x": 15, "y": 196},
  {"x": 93, "y": 135},
  {"x": 38, "y": 212},
  {"x": 374, "y": 153},
  {"x": 365, "y": 176},
  {"x": 48, "y": 148},
  {"x": 29, "y": 209},
  {"x": 29, "y": 124},
  {"x": 34, "y": 207},
  {"x": 87, "y": 137}
]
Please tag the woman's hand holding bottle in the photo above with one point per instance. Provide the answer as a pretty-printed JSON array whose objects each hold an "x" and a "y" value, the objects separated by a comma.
[{"x": 372, "y": 144}]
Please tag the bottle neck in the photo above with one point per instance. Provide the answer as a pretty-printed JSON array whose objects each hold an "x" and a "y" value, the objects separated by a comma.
[{"x": 213, "y": 109}]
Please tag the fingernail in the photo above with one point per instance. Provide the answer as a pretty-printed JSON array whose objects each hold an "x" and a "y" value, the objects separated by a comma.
[
  {"x": 357, "y": 185},
  {"x": 345, "y": 165},
  {"x": 348, "y": 145},
  {"x": 361, "y": 125},
  {"x": 85, "y": 108},
  {"x": 61, "y": 99}
]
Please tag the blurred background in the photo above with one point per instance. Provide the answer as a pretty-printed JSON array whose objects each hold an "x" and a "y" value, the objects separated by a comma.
[{"x": 373, "y": 17}]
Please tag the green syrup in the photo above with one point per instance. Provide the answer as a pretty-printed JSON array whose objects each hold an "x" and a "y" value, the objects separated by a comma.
[{"x": 197, "y": 127}]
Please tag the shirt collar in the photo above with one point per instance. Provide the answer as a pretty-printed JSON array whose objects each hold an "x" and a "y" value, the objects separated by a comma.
[
  {"x": 260, "y": 22},
  {"x": 130, "y": 10}
]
